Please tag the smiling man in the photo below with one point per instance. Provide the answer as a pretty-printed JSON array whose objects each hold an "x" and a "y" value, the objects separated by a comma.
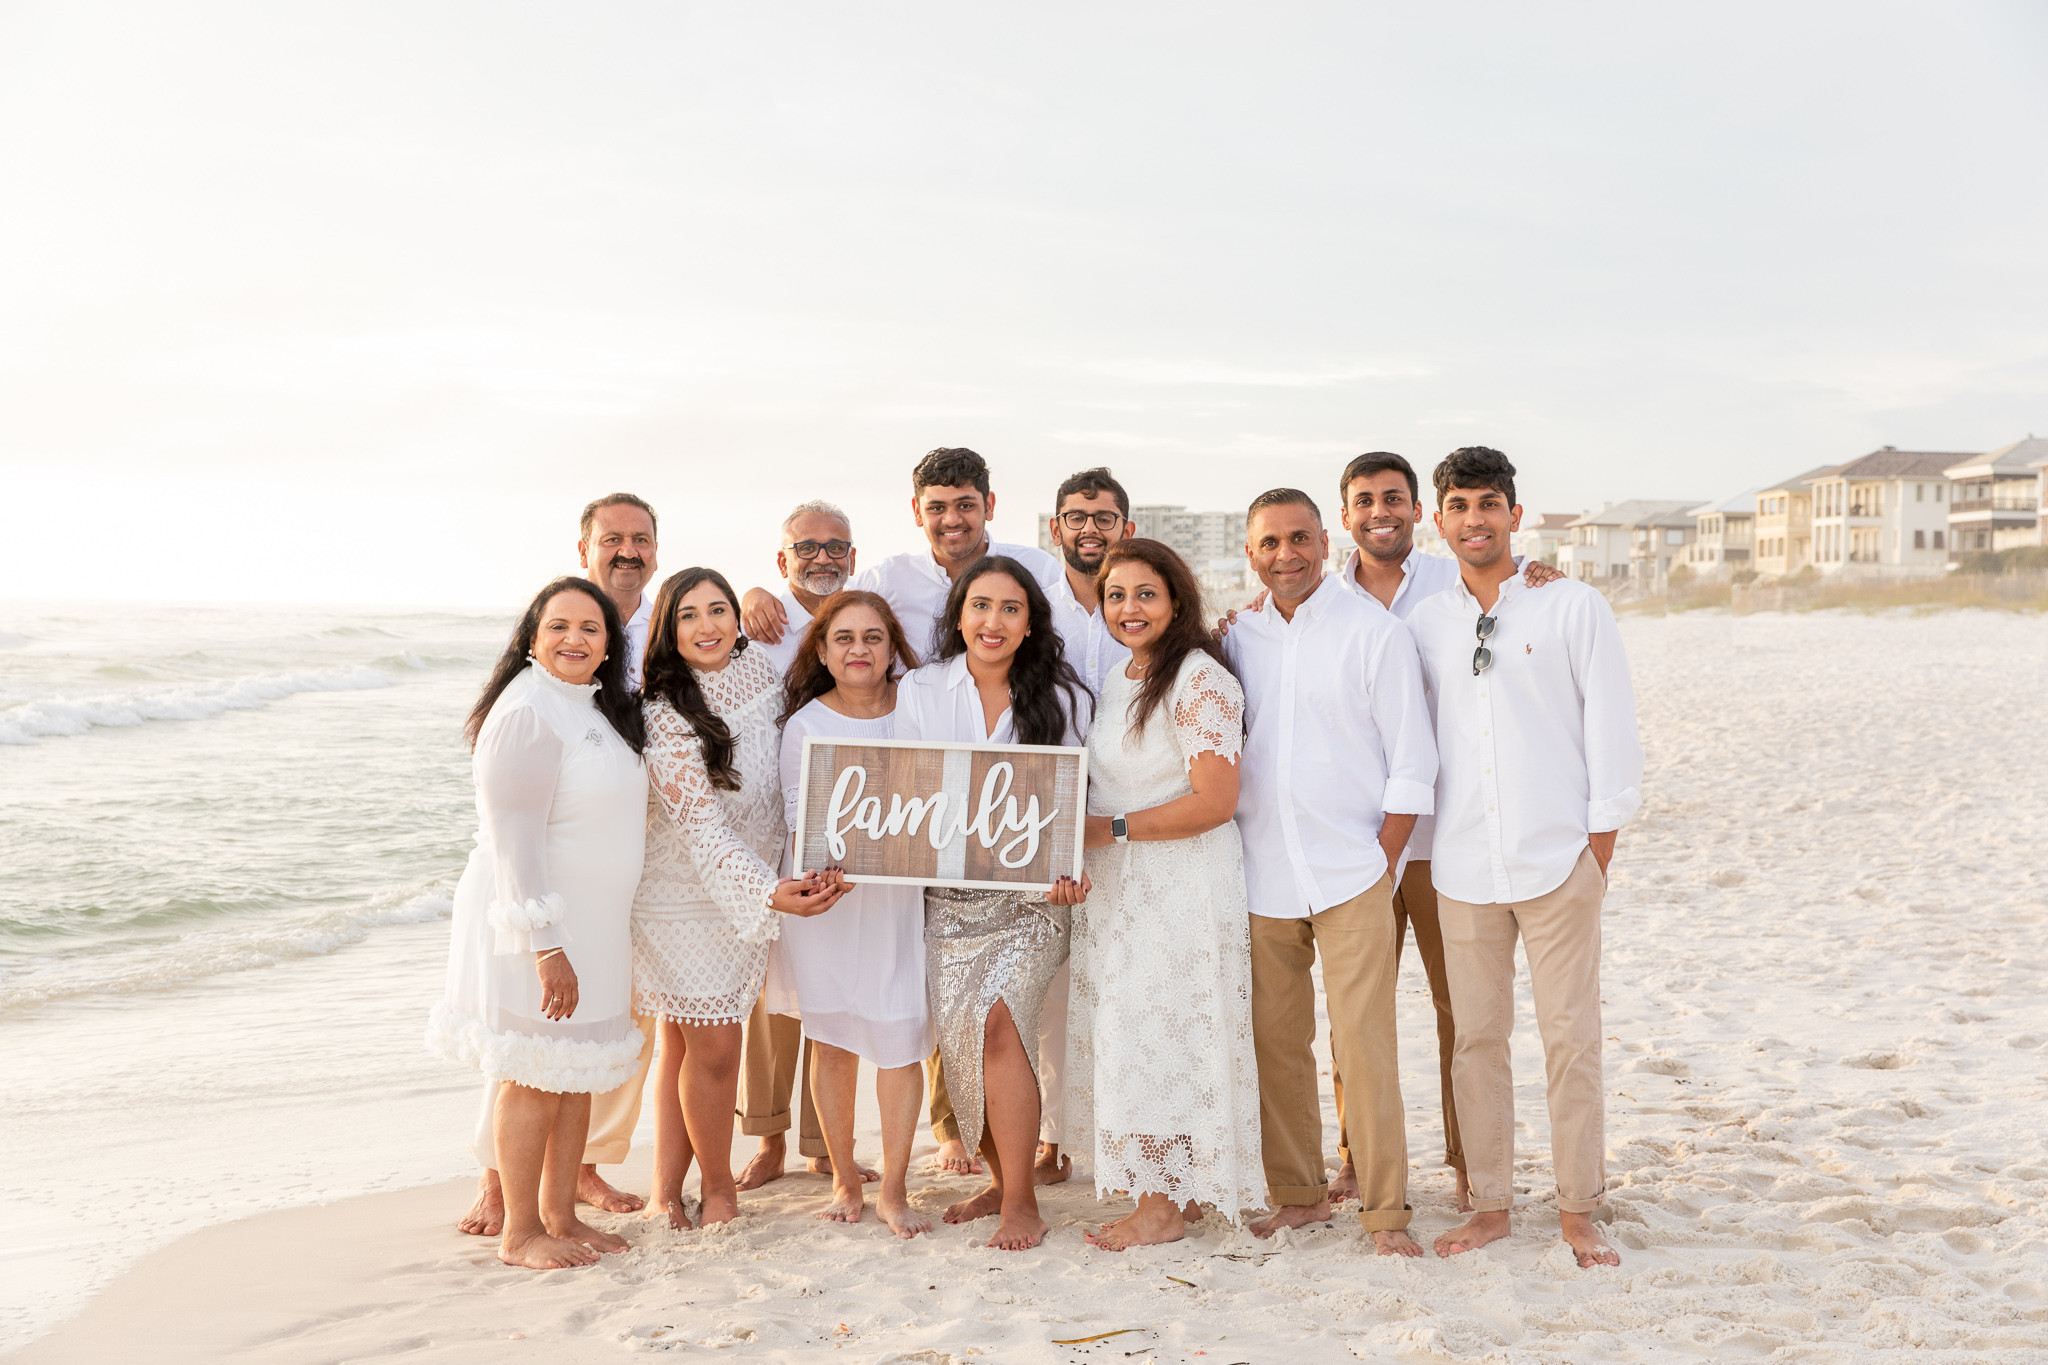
[
  {"x": 816, "y": 559},
  {"x": 1541, "y": 764},
  {"x": 1338, "y": 762},
  {"x": 1091, "y": 513},
  {"x": 616, "y": 547}
]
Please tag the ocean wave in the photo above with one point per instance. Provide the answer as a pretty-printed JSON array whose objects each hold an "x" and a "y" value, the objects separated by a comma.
[
  {"x": 158, "y": 965},
  {"x": 31, "y": 721}
]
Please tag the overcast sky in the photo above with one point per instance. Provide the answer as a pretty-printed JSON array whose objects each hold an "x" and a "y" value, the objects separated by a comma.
[{"x": 360, "y": 302}]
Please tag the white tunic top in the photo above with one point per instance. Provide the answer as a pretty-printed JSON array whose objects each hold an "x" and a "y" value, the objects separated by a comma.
[
  {"x": 1159, "y": 1042},
  {"x": 854, "y": 974},
  {"x": 701, "y": 922},
  {"x": 560, "y": 802},
  {"x": 1539, "y": 750},
  {"x": 915, "y": 587},
  {"x": 1339, "y": 738}
]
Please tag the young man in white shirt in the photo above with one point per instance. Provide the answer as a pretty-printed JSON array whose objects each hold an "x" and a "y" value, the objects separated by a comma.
[
  {"x": 617, "y": 548},
  {"x": 1338, "y": 761},
  {"x": 1541, "y": 764},
  {"x": 1091, "y": 512}
]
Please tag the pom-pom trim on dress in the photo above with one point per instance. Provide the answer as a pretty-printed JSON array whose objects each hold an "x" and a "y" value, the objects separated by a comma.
[
  {"x": 523, "y": 917},
  {"x": 561, "y": 1066}
]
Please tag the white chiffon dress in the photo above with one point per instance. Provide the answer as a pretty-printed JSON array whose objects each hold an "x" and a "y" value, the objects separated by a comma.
[
  {"x": 701, "y": 922},
  {"x": 1159, "y": 1033},
  {"x": 561, "y": 802},
  {"x": 854, "y": 974}
]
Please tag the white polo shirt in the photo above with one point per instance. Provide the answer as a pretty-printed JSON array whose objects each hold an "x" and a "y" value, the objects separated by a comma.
[
  {"x": 1337, "y": 738},
  {"x": 915, "y": 587},
  {"x": 792, "y": 634},
  {"x": 1539, "y": 750}
]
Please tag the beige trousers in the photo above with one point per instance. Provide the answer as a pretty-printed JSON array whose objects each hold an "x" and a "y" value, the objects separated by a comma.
[
  {"x": 1357, "y": 943},
  {"x": 774, "y": 1050},
  {"x": 613, "y": 1115},
  {"x": 1415, "y": 906},
  {"x": 1560, "y": 933},
  {"x": 1052, "y": 1069}
]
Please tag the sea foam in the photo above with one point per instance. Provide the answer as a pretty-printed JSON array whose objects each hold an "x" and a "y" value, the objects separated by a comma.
[{"x": 63, "y": 716}]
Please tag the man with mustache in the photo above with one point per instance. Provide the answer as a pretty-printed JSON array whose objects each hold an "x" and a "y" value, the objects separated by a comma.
[
  {"x": 815, "y": 560},
  {"x": 616, "y": 546},
  {"x": 1541, "y": 765}
]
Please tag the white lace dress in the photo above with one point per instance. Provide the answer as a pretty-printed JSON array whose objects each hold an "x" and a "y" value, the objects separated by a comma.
[
  {"x": 701, "y": 922},
  {"x": 854, "y": 974},
  {"x": 560, "y": 803},
  {"x": 1159, "y": 1041}
]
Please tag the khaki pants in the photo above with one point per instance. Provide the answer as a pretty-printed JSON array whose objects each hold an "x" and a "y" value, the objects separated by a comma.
[
  {"x": 1357, "y": 943},
  {"x": 1560, "y": 933},
  {"x": 774, "y": 1050},
  {"x": 1415, "y": 904},
  {"x": 613, "y": 1115},
  {"x": 1052, "y": 1069}
]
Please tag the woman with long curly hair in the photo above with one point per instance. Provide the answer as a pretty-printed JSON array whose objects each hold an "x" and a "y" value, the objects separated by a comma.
[
  {"x": 710, "y": 901},
  {"x": 539, "y": 966},
  {"x": 855, "y": 974},
  {"x": 1159, "y": 1043},
  {"x": 1001, "y": 678}
]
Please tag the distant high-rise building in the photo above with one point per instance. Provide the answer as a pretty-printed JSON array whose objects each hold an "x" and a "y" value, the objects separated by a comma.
[{"x": 1211, "y": 542}]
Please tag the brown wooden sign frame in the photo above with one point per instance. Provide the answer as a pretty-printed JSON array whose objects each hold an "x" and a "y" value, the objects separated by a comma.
[{"x": 908, "y": 789}]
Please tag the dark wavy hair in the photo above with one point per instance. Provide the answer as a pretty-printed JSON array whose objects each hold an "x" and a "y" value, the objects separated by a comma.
[
  {"x": 1185, "y": 634},
  {"x": 1039, "y": 671},
  {"x": 667, "y": 674},
  {"x": 808, "y": 679},
  {"x": 1475, "y": 467},
  {"x": 614, "y": 703}
]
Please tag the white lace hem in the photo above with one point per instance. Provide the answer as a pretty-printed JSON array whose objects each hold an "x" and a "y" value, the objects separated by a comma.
[
  {"x": 1125, "y": 1168},
  {"x": 561, "y": 1066},
  {"x": 523, "y": 917}
]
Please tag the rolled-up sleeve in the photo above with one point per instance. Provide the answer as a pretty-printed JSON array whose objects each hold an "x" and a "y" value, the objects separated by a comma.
[
  {"x": 1401, "y": 712},
  {"x": 1614, "y": 747}
]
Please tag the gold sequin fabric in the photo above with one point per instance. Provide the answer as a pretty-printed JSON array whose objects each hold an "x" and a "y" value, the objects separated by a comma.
[{"x": 980, "y": 947}]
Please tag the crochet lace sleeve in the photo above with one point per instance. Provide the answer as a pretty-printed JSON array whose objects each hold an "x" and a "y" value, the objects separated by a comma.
[
  {"x": 518, "y": 759},
  {"x": 1208, "y": 712},
  {"x": 730, "y": 872}
]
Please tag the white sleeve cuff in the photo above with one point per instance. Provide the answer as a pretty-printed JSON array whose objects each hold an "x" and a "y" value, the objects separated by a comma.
[
  {"x": 1408, "y": 798},
  {"x": 528, "y": 915},
  {"x": 1613, "y": 812}
]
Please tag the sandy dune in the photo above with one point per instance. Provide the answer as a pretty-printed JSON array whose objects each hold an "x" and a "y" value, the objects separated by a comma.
[{"x": 1827, "y": 1002}]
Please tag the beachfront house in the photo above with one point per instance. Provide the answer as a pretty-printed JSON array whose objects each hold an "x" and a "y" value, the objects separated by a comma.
[
  {"x": 1659, "y": 539},
  {"x": 1596, "y": 548},
  {"x": 2041, "y": 498},
  {"x": 1994, "y": 501},
  {"x": 1784, "y": 524},
  {"x": 1723, "y": 536},
  {"x": 1629, "y": 543},
  {"x": 1543, "y": 534},
  {"x": 1883, "y": 514}
]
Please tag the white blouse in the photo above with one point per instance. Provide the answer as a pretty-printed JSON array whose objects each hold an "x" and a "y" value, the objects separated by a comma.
[{"x": 939, "y": 702}]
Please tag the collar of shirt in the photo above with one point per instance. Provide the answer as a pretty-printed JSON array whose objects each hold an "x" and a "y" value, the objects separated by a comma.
[{"x": 636, "y": 640}]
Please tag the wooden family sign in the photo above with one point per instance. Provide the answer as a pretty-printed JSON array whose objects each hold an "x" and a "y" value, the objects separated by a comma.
[{"x": 1001, "y": 816}]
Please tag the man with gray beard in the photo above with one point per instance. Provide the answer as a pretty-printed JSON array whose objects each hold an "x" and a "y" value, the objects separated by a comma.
[{"x": 815, "y": 560}]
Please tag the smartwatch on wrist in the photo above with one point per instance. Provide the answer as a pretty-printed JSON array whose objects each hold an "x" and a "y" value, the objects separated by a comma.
[{"x": 1119, "y": 829}]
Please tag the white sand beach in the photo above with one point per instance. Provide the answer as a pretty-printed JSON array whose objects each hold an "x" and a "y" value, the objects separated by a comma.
[{"x": 1827, "y": 1070}]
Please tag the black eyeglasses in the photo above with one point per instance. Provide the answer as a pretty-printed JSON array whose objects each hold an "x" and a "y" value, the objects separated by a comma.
[
  {"x": 1482, "y": 657},
  {"x": 1077, "y": 520},
  {"x": 808, "y": 549}
]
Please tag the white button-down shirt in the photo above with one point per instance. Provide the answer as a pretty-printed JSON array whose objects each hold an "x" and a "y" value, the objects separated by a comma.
[
  {"x": 915, "y": 587},
  {"x": 1090, "y": 648},
  {"x": 636, "y": 640},
  {"x": 1539, "y": 750},
  {"x": 939, "y": 703},
  {"x": 792, "y": 634},
  {"x": 1337, "y": 739}
]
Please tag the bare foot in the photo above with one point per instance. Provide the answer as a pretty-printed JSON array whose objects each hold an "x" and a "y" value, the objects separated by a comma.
[
  {"x": 845, "y": 1207},
  {"x": 1586, "y": 1242},
  {"x": 595, "y": 1190},
  {"x": 822, "y": 1165},
  {"x": 678, "y": 1216},
  {"x": 1464, "y": 1193},
  {"x": 581, "y": 1232},
  {"x": 1474, "y": 1233},
  {"x": 542, "y": 1252},
  {"x": 486, "y": 1217},
  {"x": 1394, "y": 1242},
  {"x": 1018, "y": 1232},
  {"x": 953, "y": 1156},
  {"x": 718, "y": 1208},
  {"x": 1051, "y": 1168},
  {"x": 903, "y": 1220},
  {"x": 1292, "y": 1216},
  {"x": 765, "y": 1166},
  {"x": 982, "y": 1205},
  {"x": 1345, "y": 1186},
  {"x": 1147, "y": 1225},
  {"x": 1191, "y": 1212}
]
